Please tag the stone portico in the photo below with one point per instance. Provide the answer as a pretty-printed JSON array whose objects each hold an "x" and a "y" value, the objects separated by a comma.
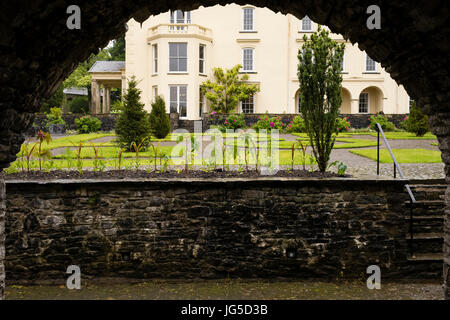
[{"x": 106, "y": 75}]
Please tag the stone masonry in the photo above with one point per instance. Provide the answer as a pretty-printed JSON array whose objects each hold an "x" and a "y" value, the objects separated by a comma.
[
  {"x": 267, "y": 227},
  {"x": 38, "y": 51},
  {"x": 2, "y": 237}
]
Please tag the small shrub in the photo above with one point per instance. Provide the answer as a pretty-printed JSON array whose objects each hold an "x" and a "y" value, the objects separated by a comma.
[
  {"x": 268, "y": 123},
  {"x": 88, "y": 124},
  {"x": 297, "y": 125},
  {"x": 159, "y": 120},
  {"x": 386, "y": 125},
  {"x": 417, "y": 122},
  {"x": 403, "y": 123},
  {"x": 79, "y": 105},
  {"x": 342, "y": 125},
  {"x": 234, "y": 121},
  {"x": 54, "y": 117}
]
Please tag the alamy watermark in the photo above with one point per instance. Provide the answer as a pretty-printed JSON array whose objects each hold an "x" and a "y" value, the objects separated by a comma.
[
  {"x": 374, "y": 20},
  {"x": 74, "y": 280},
  {"x": 74, "y": 20},
  {"x": 374, "y": 281}
]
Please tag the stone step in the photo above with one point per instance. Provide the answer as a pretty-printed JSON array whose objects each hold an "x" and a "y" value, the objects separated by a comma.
[
  {"x": 426, "y": 257},
  {"x": 426, "y": 224},
  {"x": 426, "y": 243},
  {"x": 424, "y": 266},
  {"x": 428, "y": 191},
  {"x": 426, "y": 208}
]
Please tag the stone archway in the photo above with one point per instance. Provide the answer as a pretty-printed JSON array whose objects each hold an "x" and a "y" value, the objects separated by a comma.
[
  {"x": 346, "y": 106},
  {"x": 374, "y": 98},
  {"x": 38, "y": 51}
]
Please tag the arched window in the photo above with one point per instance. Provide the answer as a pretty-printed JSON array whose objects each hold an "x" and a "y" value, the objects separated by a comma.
[{"x": 306, "y": 24}]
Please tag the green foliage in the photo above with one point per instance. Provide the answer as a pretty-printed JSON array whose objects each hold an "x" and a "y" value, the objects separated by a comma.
[
  {"x": 159, "y": 120},
  {"x": 132, "y": 124},
  {"x": 117, "y": 51},
  {"x": 296, "y": 125},
  {"x": 320, "y": 78},
  {"x": 116, "y": 106},
  {"x": 234, "y": 122},
  {"x": 54, "y": 117},
  {"x": 268, "y": 123},
  {"x": 55, "y": 100},
  {"x": 417, "y": 122},
  {"x": 228, "y": 89},
  {"x": 79, "y": 105},
  {"x": 385, "y": 124},
  {"x": 88, "y": 124},
  {"x": 342, "y": 125}
]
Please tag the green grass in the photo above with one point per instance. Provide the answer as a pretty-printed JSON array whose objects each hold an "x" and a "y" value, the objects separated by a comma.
[
  {"x": 74, "y": 139},
  {"x": 402, "y": 155},
  {"x": 405, "y": 136}
]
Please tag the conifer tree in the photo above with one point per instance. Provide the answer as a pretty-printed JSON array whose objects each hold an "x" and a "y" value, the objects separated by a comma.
[
  {"x": 133, "y": 124},
  {"x": 159, "y": 120}
]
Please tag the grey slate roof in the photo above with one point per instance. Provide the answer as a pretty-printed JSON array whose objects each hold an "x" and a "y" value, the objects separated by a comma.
[{"x": 107, "y": 66}]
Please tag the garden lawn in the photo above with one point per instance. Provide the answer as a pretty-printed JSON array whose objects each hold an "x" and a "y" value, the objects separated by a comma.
[
  {"x": 404, "y": 136},
  {"x": 69, "y": 141},
  {"x": 402, "y": 155}
]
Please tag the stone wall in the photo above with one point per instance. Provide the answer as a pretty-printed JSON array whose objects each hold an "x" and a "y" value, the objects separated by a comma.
[
  {"x": 197, "y": 228},
  {"x": 2, "y": 237},
  {"x": 49, "y": 52},
  {"x": 108, "y": 122}
]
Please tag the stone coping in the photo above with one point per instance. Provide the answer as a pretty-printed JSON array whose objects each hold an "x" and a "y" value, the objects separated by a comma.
[{"x": 203, "y": 181}]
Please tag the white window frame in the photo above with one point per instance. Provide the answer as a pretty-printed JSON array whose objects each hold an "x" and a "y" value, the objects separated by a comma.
[
  {"x": 201, "y": 102},
  {"x": 178, "y": 86},
  {"x": 368, "y": 103},
  {"x": 178, "y": 57},
  {"x": 253, "y": 105},
  {"x": 174, "y": 19},
  {"x": 155, "y": 58},
  {"x": 244, "y": 25},
  {"x": 366, "y": 64},
  {"x": 311, "y": 24},
  {"x": 253, "y": 60},
  {"x": 202, "y": 61},
  {"x": 154, "y": 92}
]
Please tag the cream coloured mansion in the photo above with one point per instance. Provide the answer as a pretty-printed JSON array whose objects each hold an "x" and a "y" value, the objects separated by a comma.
[{"x": 173, "y": 53}]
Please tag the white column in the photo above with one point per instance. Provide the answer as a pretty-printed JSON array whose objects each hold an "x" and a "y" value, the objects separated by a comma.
[
  {"x": 354, "y": 106},
  {"x": 95, "y": 94}
]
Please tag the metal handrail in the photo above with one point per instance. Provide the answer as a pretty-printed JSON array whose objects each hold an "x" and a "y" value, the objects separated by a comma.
[
  {"x": 396, "y": 165},
  {"x": 408, "y": 189}
]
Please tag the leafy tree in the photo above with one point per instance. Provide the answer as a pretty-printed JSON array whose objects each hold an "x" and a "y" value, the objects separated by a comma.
[
  {"x": 55, "y": 100},
  {"x": 133, "y": 124},
  {"x": 117, "y": 51},
  {"x": 79, "y": 105},
  {"x": 228, "y": 89},
  {"x": 417, "y": 122},
  {"x": 159, "y": 120},
  {"x": 319, "y": 74}
]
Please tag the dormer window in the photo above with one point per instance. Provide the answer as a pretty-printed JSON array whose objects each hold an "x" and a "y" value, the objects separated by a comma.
[{"x": 306, "y": 24}]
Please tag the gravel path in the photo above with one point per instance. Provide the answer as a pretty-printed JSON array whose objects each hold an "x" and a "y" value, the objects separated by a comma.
[{"x": 231, "y": 289}]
